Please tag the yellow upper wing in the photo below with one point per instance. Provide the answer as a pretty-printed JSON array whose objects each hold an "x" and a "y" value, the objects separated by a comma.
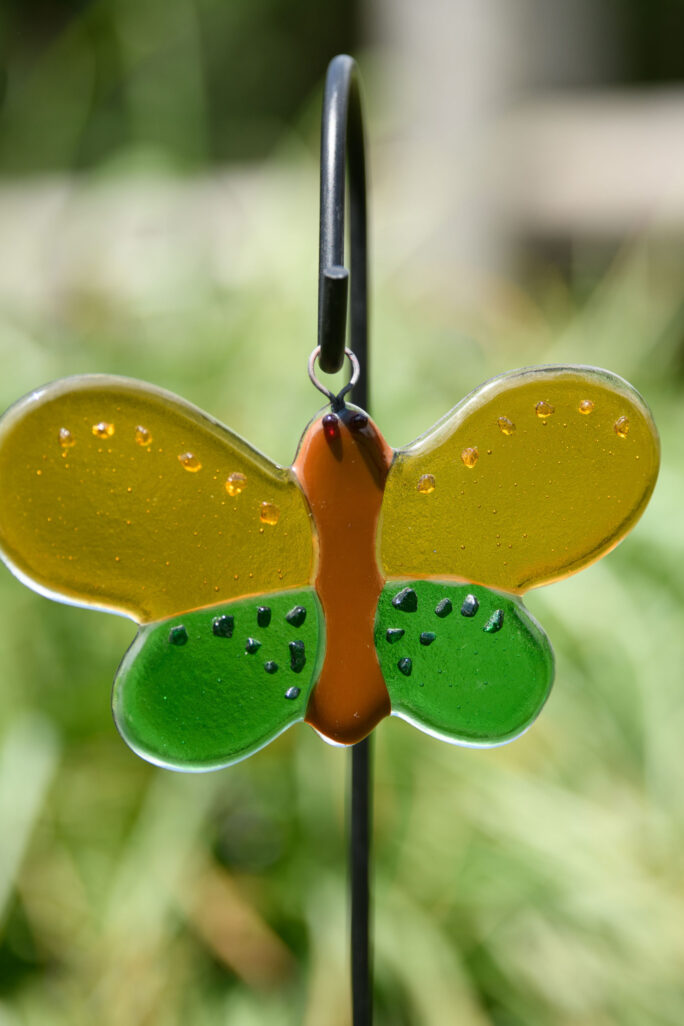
[
  {"x": 534, "y": 475},
  {"x": 118, "y": 495}
]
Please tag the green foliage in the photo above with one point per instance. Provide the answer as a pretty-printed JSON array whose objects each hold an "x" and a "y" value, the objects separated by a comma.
[{"x": 179, "y": 82}]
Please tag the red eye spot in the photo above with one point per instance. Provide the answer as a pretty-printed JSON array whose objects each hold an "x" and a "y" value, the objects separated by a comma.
[{"x": 331, "y": 426}]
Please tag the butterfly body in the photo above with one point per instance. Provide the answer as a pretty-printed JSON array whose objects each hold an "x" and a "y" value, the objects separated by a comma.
[
  {"x": 361, "y": 582},
  {"x": 342, "y": 465}
]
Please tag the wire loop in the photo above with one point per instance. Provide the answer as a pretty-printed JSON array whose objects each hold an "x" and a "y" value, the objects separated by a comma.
[{"x": 336, "y": 401}]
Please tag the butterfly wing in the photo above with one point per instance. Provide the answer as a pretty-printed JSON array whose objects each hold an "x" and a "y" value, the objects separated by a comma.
[
  {"x": 533, "y": 476},
  {"x": 202, "y": 690},
  {"x": 122, "y": 497},
  {"x": 462, "y": 662}
]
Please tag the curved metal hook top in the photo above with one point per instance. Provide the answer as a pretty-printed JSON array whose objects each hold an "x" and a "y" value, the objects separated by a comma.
[{"x": 342, "y": 148}]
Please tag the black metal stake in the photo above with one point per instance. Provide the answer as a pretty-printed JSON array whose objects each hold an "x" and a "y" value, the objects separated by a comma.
[
  {"x": 359, "y": 867},
  {"x": 342, "y": 150}
]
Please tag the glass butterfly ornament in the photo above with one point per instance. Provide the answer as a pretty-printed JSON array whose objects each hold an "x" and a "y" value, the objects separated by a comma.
[{"x": 358, "y": 583}]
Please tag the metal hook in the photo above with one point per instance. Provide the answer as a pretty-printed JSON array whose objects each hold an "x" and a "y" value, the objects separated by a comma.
[{"x": 342, "y": 149}]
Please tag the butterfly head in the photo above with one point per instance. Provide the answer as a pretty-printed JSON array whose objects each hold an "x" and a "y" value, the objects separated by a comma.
[{"x": 346, "y": 443}]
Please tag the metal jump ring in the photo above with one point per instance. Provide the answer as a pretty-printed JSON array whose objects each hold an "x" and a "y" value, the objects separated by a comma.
[{"x": 337, "y": 401}]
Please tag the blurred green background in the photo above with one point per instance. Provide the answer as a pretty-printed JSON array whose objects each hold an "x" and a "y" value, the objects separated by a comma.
[{"x": 158, "y": 219}]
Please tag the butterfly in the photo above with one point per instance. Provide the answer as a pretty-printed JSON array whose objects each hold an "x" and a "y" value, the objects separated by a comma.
[{"x": 358, "y": 583}]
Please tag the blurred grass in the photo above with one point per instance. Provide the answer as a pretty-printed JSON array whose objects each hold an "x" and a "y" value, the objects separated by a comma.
[
  {"x": 535, "y": 885},
  {"x": 189, "y": 82}
]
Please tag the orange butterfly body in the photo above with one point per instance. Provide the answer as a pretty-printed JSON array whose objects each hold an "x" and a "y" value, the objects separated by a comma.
[{"x": 342, "y": 465}]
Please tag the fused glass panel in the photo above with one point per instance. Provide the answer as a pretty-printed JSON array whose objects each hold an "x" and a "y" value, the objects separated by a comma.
[
  {"x": 205, "y": 689},
  {"x": 533, "y": 476},
  {"x": 118, "y": 495},
  {"x": 462, "y": 662},
  {"x": 342, "y": 465}
]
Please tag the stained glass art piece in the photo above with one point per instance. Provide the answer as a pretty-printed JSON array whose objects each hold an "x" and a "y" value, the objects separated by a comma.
[{"x": 361, "y": 582}]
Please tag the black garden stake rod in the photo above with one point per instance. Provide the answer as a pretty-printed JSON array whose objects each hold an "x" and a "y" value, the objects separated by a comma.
[{"x": 342, "y": 151}]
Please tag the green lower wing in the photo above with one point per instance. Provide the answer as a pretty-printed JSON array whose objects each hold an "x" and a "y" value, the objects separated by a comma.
[
  {"x": 462, "y": 662},
  {"x": 204, "y": 689}
]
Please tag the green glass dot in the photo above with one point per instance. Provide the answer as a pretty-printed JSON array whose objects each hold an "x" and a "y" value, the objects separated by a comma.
[
  {"x": 222, "y": 626},
  {"x": 495, "y": 622},
  {"x": 406, "y": 600},
  {"x": 178, "y": 635},
  {"x": 296, "y": 616},
  {"x": 297, "y": 656}
]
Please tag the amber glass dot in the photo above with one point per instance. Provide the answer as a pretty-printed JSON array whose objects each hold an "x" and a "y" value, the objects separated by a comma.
[
  {"x": 621, "y": 427},
  {"x": 470, "y": 457},
  {"x": 103, "y": 429},
  {"x": 269, "y": 514},
  {"x": 236, "y": 483},
  {"x": 190, "y": 462},
  {"x": 544, "y": 409},
  {"x": 426, "y": 484}
]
